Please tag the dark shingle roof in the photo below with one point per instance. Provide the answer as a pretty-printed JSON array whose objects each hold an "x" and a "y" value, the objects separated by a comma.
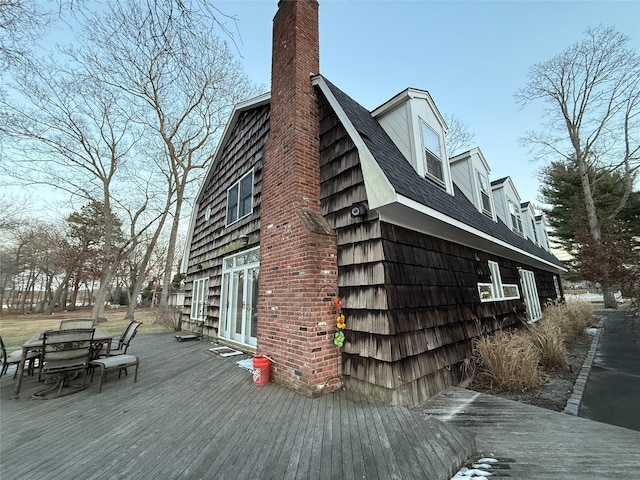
[{"x": 408, "y": 183}]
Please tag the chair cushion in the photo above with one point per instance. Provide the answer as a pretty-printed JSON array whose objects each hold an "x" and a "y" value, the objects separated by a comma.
[{"x": 117, "y": 361}]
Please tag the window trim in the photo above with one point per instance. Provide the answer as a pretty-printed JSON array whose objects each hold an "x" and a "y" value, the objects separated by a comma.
[
  {"x": 515, "y": 213},
  {"x": 238, "y": 200},
  {"x": 556, "y": 284},
  {"x": 496, "y": 289},
  {"x": 535, "y": 232},
  {"x": 199, "y": 305},
  {"x": 426, "y": 152},
  {"x": 479, "y": 178},
  {"x": 530, "y": 293}
]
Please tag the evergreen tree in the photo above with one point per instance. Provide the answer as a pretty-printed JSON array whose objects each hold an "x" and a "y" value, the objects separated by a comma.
[{"x": 612, "y": 259}]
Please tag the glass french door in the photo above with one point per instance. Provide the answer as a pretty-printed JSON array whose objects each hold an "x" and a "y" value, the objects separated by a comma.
[{"x": 239, "y": 300}]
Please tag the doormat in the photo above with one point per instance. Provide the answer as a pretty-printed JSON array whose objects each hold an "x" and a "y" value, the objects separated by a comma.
[
  {"x": 246, "y": 363},
  {"x": 225, "y": 351}
]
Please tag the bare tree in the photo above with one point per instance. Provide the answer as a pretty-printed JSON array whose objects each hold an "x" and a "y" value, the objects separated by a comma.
[
  {"x": 184, "y": 78},
  {"x": 21, "y": 22},
  {"x": 73, "y": 134},
  {"x": 592, "y": 92},
  {"x": 13, "y": 210},
  {"x": 128, "y": 120},
  {"x": 459, "y": 136}
]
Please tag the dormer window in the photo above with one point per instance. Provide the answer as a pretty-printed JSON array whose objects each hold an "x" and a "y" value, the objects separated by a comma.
[
  {"x": 485, "y": 194},
  {"x": 516, "y": 220},
  {"x": 432, "y": 153},
  {"x": 535, "y": 232}
]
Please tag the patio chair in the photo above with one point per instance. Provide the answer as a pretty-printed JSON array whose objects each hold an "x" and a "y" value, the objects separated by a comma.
[
  {"x": 125, "y": 339},
  {"x": 65, "y": 356},
  {"x": 118, "y": 362},
  {"x": 14, "y": 358},
  {"x": 76, "y": 323}
]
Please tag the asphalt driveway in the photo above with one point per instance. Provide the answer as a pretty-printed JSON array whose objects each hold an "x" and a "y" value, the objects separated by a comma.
[{"x": 612, "y": 391}]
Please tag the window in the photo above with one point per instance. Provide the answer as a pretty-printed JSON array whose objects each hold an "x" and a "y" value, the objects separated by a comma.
[
  {"x": 199, "y": 299},
  {"x": 496, "y": 290},
  {"x": 485, "y": 194},
  {"x": 496, "y": 278},
  {"x": 535, "y": 232},
  {"x": 557, "y": 286},
  {"x": 530, "y": 292},
  {"x": 240, "y": 199},
  {"x": 516, "y": 220},
  {"x": 432, "y": 153}
]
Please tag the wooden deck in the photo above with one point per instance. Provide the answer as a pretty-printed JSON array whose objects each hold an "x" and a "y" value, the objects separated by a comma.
[
  {"x": 536, "y": 443},
  {"x": 194, "y": 415}
]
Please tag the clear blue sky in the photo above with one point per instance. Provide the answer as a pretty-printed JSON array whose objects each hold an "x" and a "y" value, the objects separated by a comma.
[{"x": 472, "y": 56}]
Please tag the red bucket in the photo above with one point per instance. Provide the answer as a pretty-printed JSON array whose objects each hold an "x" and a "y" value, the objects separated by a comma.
[{"x": 261, "y": 369}]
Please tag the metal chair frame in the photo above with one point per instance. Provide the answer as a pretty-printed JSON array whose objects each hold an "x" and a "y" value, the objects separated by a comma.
[
  {"x": 14, "y": 358},
  {"x": 65, "y": 355}
]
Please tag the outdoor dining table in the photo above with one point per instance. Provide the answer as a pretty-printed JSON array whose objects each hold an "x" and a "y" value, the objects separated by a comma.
[{"x": 100, "y": 336}]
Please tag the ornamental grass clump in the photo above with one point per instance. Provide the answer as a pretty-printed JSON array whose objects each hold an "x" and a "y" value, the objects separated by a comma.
[
  {"x": 574, "y": 317},
  {"x": 549, "y": 339},
  {"x": 506, "y": 361}
]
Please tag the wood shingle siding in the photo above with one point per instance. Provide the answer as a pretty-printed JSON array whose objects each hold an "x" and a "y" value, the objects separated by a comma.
[
  {"x": 212, "y": 239},
  {"x": 410, "y": 299}
]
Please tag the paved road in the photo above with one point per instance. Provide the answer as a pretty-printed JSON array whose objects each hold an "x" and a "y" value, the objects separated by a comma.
[{"x": 612, "y": 392}]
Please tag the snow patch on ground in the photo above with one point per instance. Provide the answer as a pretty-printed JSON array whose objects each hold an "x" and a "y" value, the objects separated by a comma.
[{"x": 479, "y": 470}]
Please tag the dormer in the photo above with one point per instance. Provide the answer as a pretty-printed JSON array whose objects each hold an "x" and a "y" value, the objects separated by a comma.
[
  {"x": 413, "y": 122},
  {"x": 470, "y": 173},
  {"x": 529, "y": 222},
  {"x": 507, "y": 203},
  {"x": 541, "y": 229}
]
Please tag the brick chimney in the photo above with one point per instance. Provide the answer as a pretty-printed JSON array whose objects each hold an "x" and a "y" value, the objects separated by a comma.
[{"x": 298, "y": 253}]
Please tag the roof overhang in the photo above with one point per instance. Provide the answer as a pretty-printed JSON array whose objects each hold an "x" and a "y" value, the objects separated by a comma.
[{"x": 413, "y": 215}]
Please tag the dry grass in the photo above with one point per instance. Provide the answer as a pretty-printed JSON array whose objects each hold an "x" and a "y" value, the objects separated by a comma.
[
  {"x": 506, "y": 361},
  {"x": 509, "y": 361},
  {"x": 559, "y": 324},
  {"x": 574, "y": 318},
  {"x": 549, "y": 339},
  {"x": 17, "y": 329}
]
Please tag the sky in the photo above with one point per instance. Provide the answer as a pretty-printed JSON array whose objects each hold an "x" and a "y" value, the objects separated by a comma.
[{"x": 472, "y": 57}]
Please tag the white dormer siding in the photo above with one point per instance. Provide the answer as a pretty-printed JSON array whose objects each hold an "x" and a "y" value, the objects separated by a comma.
[
  {"x": 541, "y": 228},
  {"x": 507, "y": 203},
  {"x": 470, "y": 172},
  {"x": 413, "y": 122},
  {"x": 529, "y": 222}
]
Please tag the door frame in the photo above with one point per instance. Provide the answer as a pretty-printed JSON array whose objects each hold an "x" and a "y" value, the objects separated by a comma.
[
  {"x": 240, "y": 265},
  {"x": 530, "y": 295}
]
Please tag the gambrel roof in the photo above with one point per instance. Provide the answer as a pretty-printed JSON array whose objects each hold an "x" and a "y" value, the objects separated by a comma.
[
  {"x": 409, "y": 189},
  {"x": 400, "y": 194}
]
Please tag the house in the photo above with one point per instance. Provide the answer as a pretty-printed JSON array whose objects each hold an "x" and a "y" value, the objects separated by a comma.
[{"x": 315, "y": 207}]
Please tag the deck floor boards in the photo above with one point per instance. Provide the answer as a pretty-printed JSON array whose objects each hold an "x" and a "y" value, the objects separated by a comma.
[
  {"x": 531, "y": 442},
  {"x": 193, "y": 414}
]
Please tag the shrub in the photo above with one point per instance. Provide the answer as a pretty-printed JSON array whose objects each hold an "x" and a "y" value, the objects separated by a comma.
[{"x": 506, "y": 361}]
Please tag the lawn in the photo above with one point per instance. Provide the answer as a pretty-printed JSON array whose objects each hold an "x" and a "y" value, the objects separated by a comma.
[{"x": 16, "y": 329}]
